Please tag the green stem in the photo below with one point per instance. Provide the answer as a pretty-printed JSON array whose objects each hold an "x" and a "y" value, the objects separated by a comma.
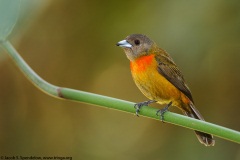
[
  {"x": 113, "y": 103},
  {"x": 29, "y": 73}
]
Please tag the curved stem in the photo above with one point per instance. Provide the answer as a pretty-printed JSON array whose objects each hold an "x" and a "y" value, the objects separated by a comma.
[
  {"x": 28, "y": 72},
  {"x": 113, "y": 103}
]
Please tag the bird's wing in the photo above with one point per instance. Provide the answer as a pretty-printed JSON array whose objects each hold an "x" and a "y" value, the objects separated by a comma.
[{"x": 168, "y": 69}]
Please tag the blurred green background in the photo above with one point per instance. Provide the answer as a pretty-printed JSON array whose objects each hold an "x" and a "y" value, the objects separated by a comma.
[{"x": 72, "y": 44}]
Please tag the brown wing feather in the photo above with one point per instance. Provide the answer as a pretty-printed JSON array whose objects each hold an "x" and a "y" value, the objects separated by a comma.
[{"x": 169, "y": 70}]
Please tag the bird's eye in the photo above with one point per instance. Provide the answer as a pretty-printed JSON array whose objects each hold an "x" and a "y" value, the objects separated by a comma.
[{"x": 137, "y": 42}]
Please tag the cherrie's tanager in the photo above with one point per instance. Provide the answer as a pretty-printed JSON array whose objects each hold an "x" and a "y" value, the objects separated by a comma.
[{"x": 159, "y": 79}]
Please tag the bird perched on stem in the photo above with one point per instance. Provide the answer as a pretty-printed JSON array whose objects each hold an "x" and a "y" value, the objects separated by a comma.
[{"x": 159, "y": 79}]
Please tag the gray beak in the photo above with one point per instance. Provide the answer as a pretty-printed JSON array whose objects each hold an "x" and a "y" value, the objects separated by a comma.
[{"x": 124, "y": 44}]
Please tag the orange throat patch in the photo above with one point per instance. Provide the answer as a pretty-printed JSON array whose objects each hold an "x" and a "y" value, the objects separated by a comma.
[{"x": 142, "y": 63}]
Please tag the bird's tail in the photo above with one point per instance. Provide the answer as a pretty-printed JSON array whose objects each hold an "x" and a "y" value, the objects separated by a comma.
[{"x": 204, "y": 138}]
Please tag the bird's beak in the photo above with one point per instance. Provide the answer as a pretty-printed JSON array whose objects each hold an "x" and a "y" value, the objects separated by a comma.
[{"x": 124, "y": 44}]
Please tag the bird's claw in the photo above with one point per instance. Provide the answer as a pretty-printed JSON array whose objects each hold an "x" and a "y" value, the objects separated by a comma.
[
  {"x": 138, "y": 106},
  {"x": 161, "y": 112}
]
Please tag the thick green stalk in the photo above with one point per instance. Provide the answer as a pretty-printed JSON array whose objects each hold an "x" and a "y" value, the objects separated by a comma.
[{"x": 113, "y": 103}]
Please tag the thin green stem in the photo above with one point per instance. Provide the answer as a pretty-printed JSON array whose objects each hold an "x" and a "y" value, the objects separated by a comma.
[
  {"x": 113, "y": 103},
  {"x": 29, "y": 73}
]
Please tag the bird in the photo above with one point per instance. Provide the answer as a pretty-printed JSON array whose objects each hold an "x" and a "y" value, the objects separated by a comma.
[{"x": 160, "y": 80}]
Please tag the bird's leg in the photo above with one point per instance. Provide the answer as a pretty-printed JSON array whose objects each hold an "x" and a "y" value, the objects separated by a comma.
[
  {"x": 138, "y": 106},
  {"x": 161, "y": 112}
]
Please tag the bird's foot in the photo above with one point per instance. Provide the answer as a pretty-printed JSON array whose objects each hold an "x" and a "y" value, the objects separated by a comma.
[
  {"x": 161, "y": 112},
  {"x": 138, "y": 106}
]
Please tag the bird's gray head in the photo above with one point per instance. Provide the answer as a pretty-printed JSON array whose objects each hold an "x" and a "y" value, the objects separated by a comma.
[{"x": 136, "y": 45}]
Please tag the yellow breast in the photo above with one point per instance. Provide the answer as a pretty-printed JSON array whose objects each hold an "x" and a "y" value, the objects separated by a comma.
[{"x": 150, "y": 82}]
